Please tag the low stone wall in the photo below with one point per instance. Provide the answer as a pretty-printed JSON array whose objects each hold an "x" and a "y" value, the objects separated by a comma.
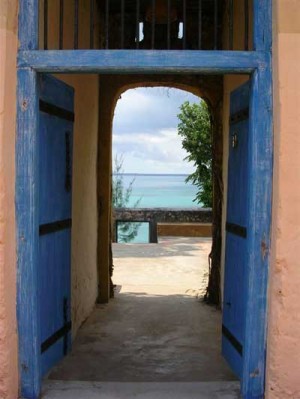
[
  {"x": 164, "y": 215},
  {"x": 161, "y": 215}
]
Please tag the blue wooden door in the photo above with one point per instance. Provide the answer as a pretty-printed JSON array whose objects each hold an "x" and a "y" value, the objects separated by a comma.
[
  {"x": 55, "y": 187},
  {"x": 235, "y": 292}
]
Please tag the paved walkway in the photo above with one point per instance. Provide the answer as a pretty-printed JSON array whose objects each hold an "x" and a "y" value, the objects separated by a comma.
[{"x": 157, "y": 330}]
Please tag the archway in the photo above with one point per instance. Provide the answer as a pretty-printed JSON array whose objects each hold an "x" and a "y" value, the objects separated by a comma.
[{"x": 207, "y": 87}]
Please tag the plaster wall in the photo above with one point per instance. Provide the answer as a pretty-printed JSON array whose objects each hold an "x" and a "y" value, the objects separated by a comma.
[
  {"x": 283, "y": 356},
  {"x": 8, "y": 333},
  {"x": 68, "y": 25},
  {"x": 283, "y": 360},
  {"x": 84, "y": 204},
  {"x": 238, "y": 25}
]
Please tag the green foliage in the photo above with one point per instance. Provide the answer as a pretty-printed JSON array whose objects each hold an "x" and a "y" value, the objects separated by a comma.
[
  {"x": 121, "y": 198},
  {"x": 195, "y": 129}
]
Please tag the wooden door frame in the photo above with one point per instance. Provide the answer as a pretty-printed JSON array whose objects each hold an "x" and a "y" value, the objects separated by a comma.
[{"x": 258, "y": 63}]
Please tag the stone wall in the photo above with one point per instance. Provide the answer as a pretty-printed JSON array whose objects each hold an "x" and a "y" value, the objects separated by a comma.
[{"x": 164, "y": 215}]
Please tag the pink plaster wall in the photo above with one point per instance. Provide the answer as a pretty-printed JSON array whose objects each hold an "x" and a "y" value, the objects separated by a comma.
[
  {"x": 283, "y": 357},
  {"x": 283, "y": 366},
  {"x": 8, "y": 335}
]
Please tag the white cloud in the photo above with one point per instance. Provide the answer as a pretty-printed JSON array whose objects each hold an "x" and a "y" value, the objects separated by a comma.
[
  {"x": 148, "y": 109},
  {"x": 144, "y": 153},
  {"x": 145, "y": 131}
]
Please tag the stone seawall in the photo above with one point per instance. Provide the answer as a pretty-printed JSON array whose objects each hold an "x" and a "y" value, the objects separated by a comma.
[
  {"x": 164, "y": 221},
  {"x": 164, "y": 215}
]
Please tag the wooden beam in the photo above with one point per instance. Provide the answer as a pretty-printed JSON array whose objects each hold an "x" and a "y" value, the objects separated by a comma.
[
  {"x": 27, "y": 208},
  {"x": 142, "y": 61},
  {"x": 260, "y": 200},
  {"x": 104, "y": 170},
  {"x": 262, "y": 25},
  {"x": 28, "y": 29},
  {"x": 260, "y": 187},
  {"x": 27, "y": 233}
]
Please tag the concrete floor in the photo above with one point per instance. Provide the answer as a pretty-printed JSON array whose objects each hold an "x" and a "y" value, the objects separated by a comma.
[
  {"x": 156, "y": 329},
  {"x": 141, "y": 390}
]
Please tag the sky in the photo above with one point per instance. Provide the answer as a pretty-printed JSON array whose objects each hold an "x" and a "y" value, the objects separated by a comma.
[{"x": 145, "y": 131}]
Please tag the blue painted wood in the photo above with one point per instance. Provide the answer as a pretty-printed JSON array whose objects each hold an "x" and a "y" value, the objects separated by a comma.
[
  {"x": 234, "y": 306},
  {"x": 55, "y": 205},
  {"x": 262, "y": 25},
  {"x": 260, "y": 165},
  {"x": 142, "y": 61},
  {"x": 260, "y": 200},
  {"x": 27, "y": 233},
  {"x": 26, "y": 207},
  {"x": 49, "y": 87},
  {"x": 28, "y": 24}
]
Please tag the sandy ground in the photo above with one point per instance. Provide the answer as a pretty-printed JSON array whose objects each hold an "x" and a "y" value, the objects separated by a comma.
[{"x": 174, "y": 266}]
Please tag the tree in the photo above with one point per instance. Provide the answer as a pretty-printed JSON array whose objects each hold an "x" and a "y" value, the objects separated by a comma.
[
  {"x": 121, "y": 198},
  {"x": 195, "y": 129}
]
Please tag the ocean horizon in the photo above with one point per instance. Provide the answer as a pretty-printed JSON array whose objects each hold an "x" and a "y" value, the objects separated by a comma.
[
  {"x": 160, "y": 190},
  {"x": 151, "y": 174}
]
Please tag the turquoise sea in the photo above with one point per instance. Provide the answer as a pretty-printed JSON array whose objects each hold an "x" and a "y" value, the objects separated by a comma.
[
  {"x": 161, "y": 191},
  {"x": 158, "y": 191}
]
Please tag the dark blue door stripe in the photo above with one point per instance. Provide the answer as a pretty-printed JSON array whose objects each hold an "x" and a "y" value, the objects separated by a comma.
[
  {"x": 51, "y": 109},
  {"x": 49, "y": 228},
  {"x": 236, "y": 229},
  {"x": 232, "y": 339}
]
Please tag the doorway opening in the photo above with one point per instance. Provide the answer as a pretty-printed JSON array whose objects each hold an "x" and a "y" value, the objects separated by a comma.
[
  {"x": 157, "y": 328},
  {"x": 97, "y": 118},
  {"x": 99, "y": 29},
  {"x": 151, "y": 343}
]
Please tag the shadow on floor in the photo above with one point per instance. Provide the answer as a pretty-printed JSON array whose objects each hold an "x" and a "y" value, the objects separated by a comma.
[
  {"x": 162, "y": 249},
  {"x": 140, "y": 337}
]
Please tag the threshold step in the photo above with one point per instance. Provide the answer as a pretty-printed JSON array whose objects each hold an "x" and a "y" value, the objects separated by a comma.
[{"x": 140, "y": 390}]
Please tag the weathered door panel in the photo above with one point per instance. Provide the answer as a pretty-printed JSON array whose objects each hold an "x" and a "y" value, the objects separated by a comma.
[
  {"x": 55, "y": 178},
  {"x": 235, "y": 293}
]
